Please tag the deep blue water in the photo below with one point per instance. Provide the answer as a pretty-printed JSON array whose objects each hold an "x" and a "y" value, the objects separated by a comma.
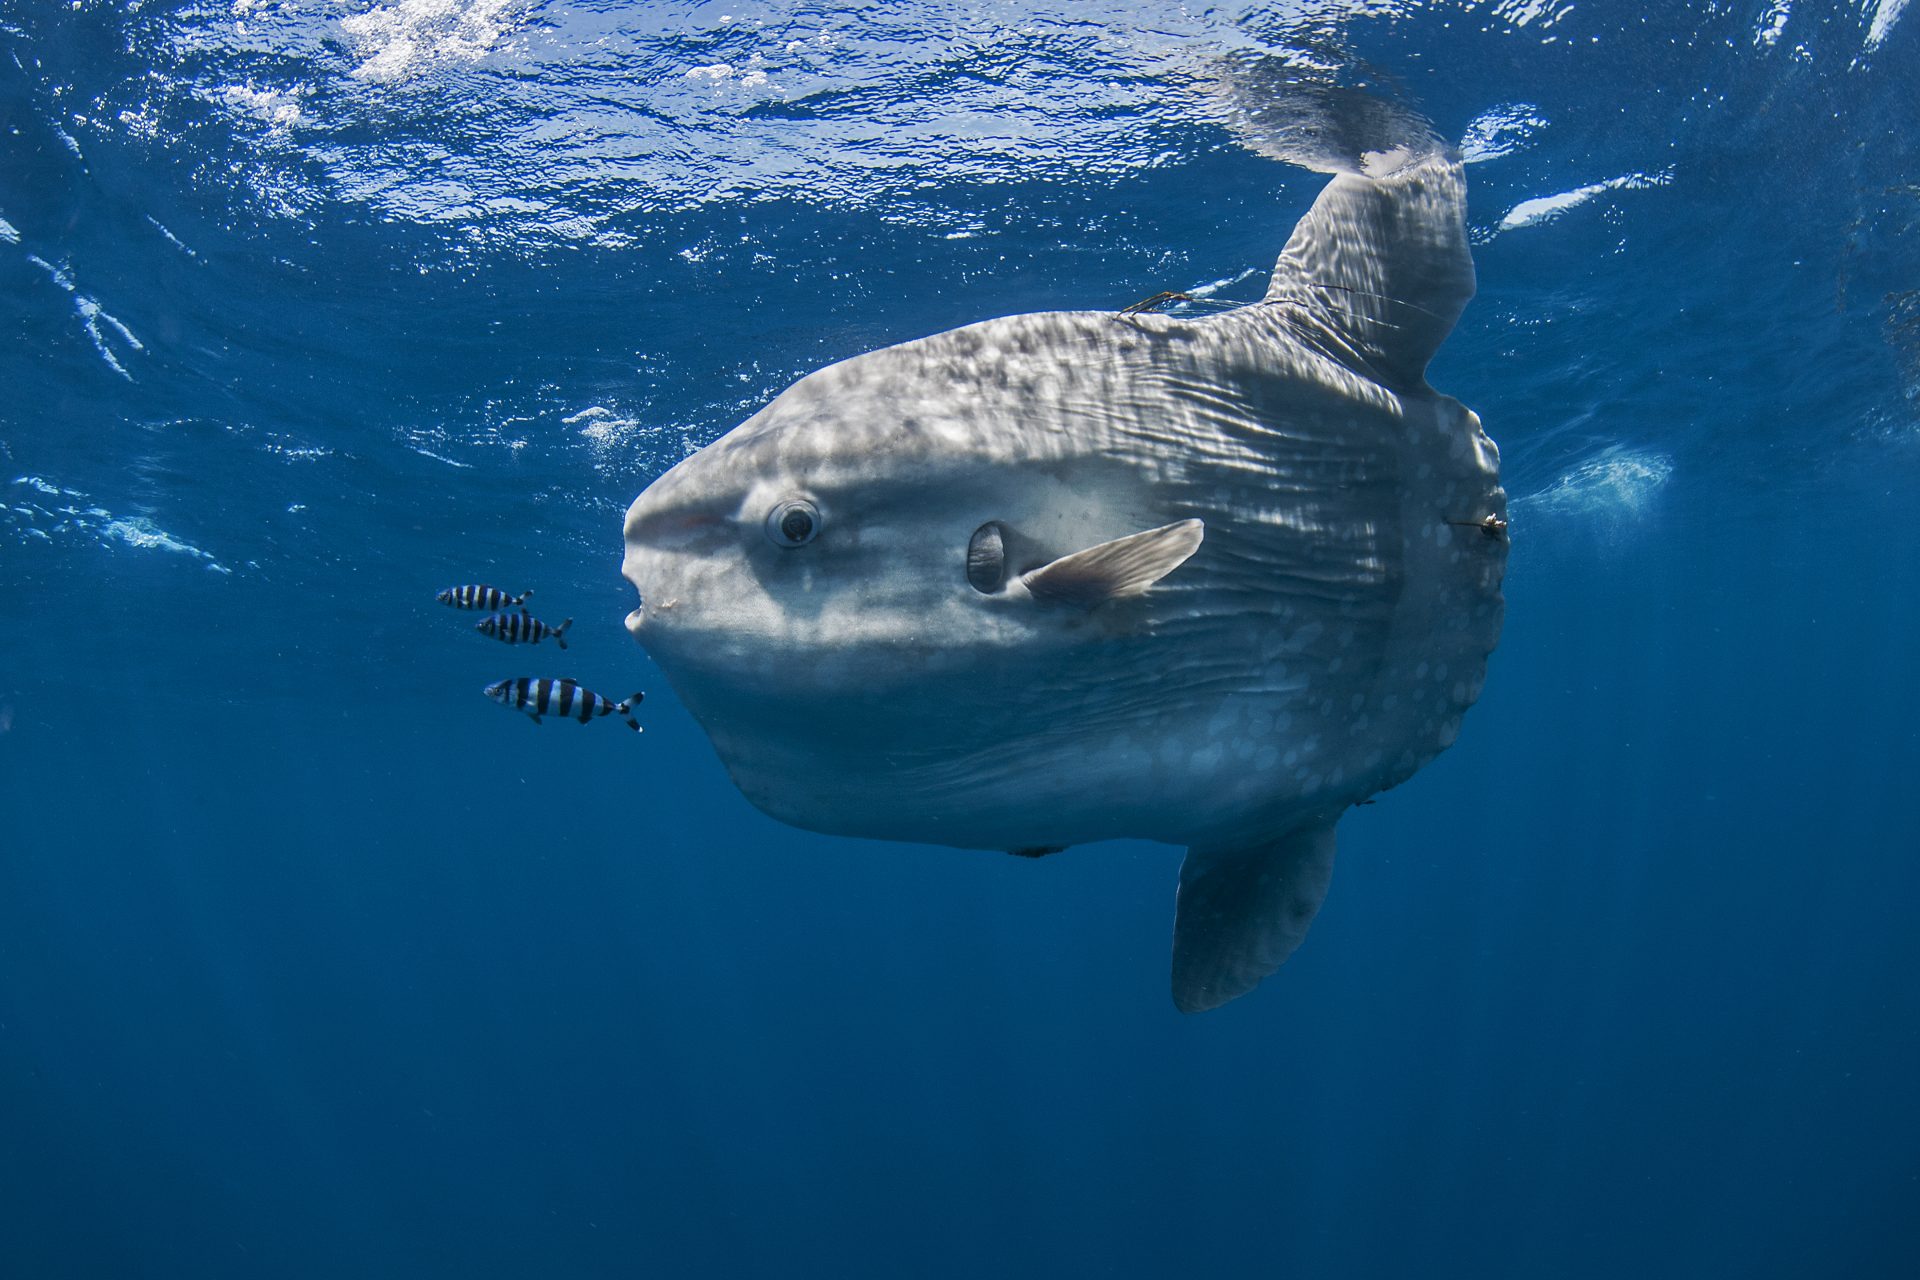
[{"x": 314, "y": 963}]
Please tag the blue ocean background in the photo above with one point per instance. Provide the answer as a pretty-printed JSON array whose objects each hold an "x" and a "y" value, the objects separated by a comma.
[{"x": 315, "y": 963}]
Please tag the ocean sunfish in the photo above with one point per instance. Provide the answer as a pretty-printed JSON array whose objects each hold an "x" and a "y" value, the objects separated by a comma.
[{"x": 1074, "y": 576}]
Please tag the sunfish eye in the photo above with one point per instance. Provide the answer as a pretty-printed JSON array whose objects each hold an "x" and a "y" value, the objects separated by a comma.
[
  {"x": 987, "y": 558},
  {"x": 793, "y": 523}
]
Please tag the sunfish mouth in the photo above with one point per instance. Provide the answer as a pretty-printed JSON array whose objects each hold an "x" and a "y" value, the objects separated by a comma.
[{"x": 647, "y": 607}]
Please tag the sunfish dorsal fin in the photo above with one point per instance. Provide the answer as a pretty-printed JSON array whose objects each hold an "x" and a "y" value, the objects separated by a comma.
[
  {"x": 1113, "y": 570},
  {"x": 1382, "y": 263},
  {"x": 1241, "y": 912}
]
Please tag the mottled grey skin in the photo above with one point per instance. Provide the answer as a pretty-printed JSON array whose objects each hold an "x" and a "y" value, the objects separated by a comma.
[{"x": 1320, "y": 645}]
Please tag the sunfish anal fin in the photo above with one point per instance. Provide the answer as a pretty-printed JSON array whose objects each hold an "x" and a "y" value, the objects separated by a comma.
[
  {"x": 1382, "y": 264},
  {"x": 1113, "y": 570},
  {"x": 1241, "y": 912}
]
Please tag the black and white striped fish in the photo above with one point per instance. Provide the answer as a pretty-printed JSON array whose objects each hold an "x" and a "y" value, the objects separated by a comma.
[
  {"x": 478, "y": 595},
  {"x": 561, "y": 698},
  {"x": 512, "y": 628}
]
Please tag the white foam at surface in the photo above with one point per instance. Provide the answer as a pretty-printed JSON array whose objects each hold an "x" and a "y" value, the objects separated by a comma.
[
  {"x": 44, "y": 486},
  {"x": 142, "y": 533},
  {"x": 171, "y": 238},
  {"x": 1225, "y": 282},
  {"x": 1885, "y": 14},
  {"x": 1618, "y": 481},
  {"x": 1526, "y": 13},
  {"x": 720, "y": 72},
  {"x": 92, "y": 316},
  {"x": 72, "y": 143},
  {"x": 1546, "y": 208},
  {"x": 607, "y": 434},
  {"x": 1500, "y": 131},
  {"x": 400, "y": 39},
  {"x": 96, "y": 524},
  {"x": 619, "y": 88},
  {"x": 269, "y": 106},
  {"x": 1772, "y": 23},
  {"x": 614, "y": 440}
]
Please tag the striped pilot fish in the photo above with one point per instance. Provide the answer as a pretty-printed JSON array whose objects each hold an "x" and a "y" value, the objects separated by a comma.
[
  {"x": 477, "y": 595},
  {"x": 561, "y": 698},
  {"x": 513, "y": 628}
]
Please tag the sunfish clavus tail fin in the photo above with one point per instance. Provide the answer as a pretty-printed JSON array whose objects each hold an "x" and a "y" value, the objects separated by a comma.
[
  {"x": 1381, "y": 265},
  {"x": 1241, "y": 912}
]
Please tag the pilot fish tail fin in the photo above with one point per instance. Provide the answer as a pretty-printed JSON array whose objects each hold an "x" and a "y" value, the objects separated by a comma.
[
  {"x": 1241, "y": 912},
  {"x": 560, "y": 633},
  {"x": 626, "y": 711},
  {"x": 1380, "y": 265}
]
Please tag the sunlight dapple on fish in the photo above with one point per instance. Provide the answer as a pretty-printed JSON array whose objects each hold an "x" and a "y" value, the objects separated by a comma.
[
  {"x": 518, "y": 628},
  {"x": 1074, "y": 576},
  {"x": 477, "y": 595},
  {"x": 542, "y": 697}
]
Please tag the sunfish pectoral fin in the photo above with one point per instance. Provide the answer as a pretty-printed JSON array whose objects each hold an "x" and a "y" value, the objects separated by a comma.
[
  {"x": 1113, "y": 570},
  {"x": 1382, "y": 263},
  {"x": 1241, "y": 912}
]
